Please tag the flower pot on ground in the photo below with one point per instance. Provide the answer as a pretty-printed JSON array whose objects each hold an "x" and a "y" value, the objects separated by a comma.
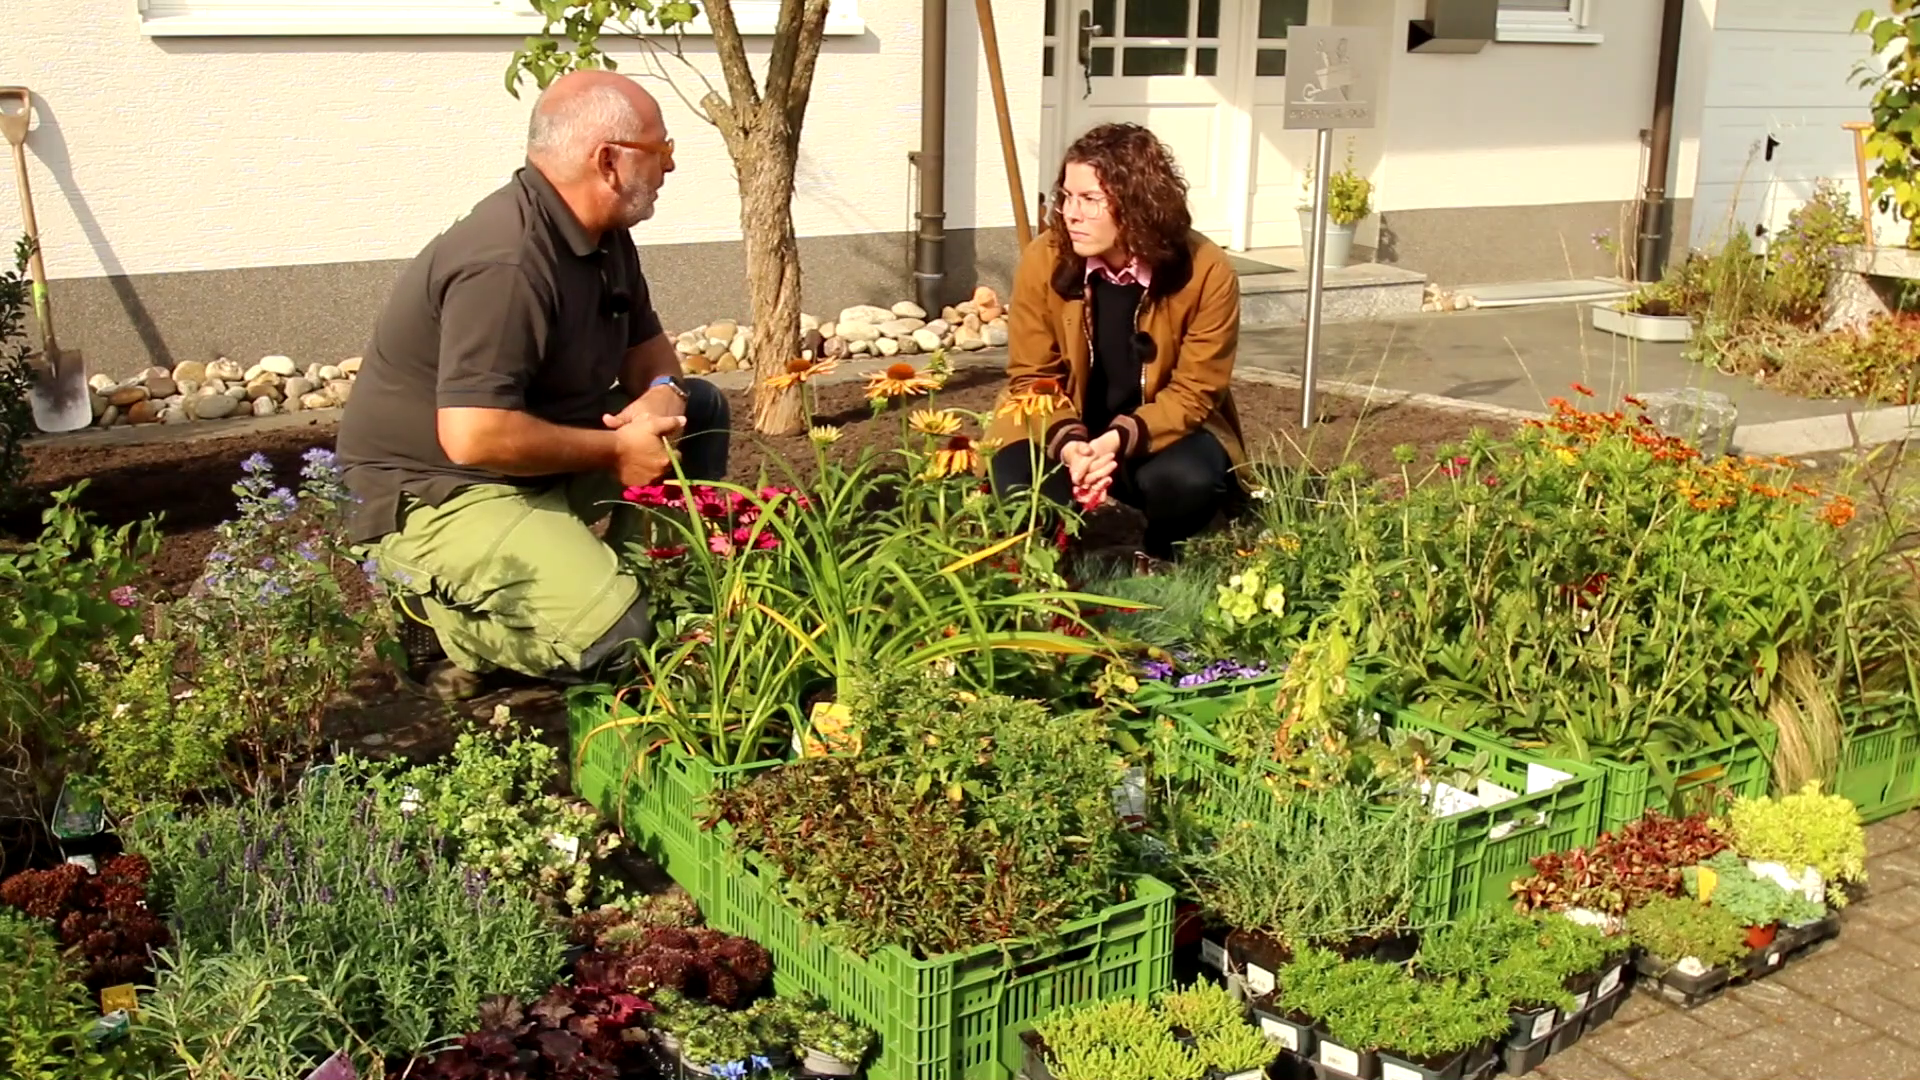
[
  {"x": 1286, "y": 1026},
  {"x": 1759, "y": 937},
  {"x": 1651, "y": 321},
  {"x": 1349, "y": 201},
  {"x": 830, "y": 1045}
]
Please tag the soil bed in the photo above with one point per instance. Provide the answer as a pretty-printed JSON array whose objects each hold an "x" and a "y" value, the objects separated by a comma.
[{"x": 189, "y": 482}]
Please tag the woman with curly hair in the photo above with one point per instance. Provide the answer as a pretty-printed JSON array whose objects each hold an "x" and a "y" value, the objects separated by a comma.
[{"x": 1122, "y": 334}]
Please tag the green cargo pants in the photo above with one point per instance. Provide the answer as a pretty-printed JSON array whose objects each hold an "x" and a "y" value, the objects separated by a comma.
[{"x": 514, "y": 577}]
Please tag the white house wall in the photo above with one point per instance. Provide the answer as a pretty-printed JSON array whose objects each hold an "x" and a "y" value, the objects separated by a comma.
[{"x": 155, "y": 155}]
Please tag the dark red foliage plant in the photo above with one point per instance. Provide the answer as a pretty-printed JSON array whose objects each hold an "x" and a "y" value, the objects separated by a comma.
[
  {"x": 701, "y": 963},
  {"x": 1622, "y": 870},
  {"x": 579, "y": 1032},
  {"x": 101, "y": 919}
]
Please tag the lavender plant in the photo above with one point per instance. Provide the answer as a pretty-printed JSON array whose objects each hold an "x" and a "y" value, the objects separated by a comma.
[
  {"x": 232, "y": 684},
  {"x": 336, "y": 882}
]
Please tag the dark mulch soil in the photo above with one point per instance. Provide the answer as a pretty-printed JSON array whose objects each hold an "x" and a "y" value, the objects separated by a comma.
[{"x": 189, "y": 483}]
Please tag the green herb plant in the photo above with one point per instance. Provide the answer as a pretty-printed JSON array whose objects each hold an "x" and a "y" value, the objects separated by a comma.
[
  {"x": 1673, "y": 928},
  {"x": 46, "y": 1012},
  {"x": 1804, "y": 829},
  {"x": 823, "y": 1031},
  {"x": 1122, "y": 1039},
  {"x": 329, "y": 881},
  {"x": 214, "y": 1016},
  {"x": 1754, "y": 900}
]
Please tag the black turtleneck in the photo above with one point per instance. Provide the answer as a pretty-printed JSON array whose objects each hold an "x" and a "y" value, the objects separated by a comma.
[{"x": 1113, "y": 378}]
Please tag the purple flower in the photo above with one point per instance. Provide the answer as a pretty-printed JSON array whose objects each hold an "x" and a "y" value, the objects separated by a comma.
[
  {"x": 256, "y": 463},
  {"x": 124, "y": 596},
  {"x": 305, "y": 551},
  {"x": 250, "y": 860},
  {"x": 371, "y": 568}
]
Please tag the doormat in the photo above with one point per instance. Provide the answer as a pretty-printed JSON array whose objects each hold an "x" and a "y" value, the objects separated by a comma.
[{"x": 1244, "y": 265}]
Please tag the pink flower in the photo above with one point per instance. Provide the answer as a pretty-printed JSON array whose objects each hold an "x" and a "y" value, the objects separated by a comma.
[
  {"x": 124, "y": 596},
  {"x": 720, "y": 544}
]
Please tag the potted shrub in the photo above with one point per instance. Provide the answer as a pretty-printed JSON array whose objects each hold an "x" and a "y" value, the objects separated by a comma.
[
  {"x": 674, "y": 1017},
  {"x": 1688, "y": 945},
  {"x": 830, "y": 1045},
  {"x": 1349, "y": 201},
  {"x": 1802, "y": 832},
  {"x": 1649, "y": 314},
  {"x": 1213, "y": 1022},
  {"x": 1122, "y": 1039},
  {"x": 721, "y": 1045}
]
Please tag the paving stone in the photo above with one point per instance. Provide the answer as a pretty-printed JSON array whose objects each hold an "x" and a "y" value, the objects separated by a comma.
[
  {"x": 1580, "y": 1063},
  {"x": 1889, "y": 904},
  {"x": 1639, "y": 1006},
  {"x": 1637, "y": 1046},
  {"x": 1876, "y": 1010},
  {"x": 1882, "y": 1058},
  {"x": 1766, "y": 1054},
  {"x": 1900, "y": 952},
  {"x": 1887, "y": 837},
  {"x": 1836, "y": 969},
  {"x": 1732, "y": 1014},
  {"x": 1904, "y": 987},
  {"x": 1901, "y": 866}
]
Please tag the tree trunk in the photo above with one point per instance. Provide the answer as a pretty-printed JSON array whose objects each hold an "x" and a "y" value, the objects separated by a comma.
[{"x": 773, "y": 276}]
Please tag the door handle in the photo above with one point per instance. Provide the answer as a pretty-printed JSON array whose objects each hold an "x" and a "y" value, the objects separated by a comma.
[{"x": 1088, "y": 31}]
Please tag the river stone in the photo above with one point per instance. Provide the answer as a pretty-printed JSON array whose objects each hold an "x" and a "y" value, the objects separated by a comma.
[
  {"x": 968, "y": 338},
  {"x": 225, "y": 370},
  {"x": 887, "y": 346},
  {"x": 723, "y": 331},
  {"x": 863, "y": 313},
  {"x": 128, "y": 396},
  {"x": 907, "y": 309},
  {"x": 350, "y": 367},
  {"x": 144, "y": 412},
  {"x": 190, "y": 371},
  {"x": 263, "y": 406},
  {"x": 809, "y": 322},
  {"x": 995, "y": 333},
  {"x": 860, "y": 348},
  {"x": 341, "y": 390},
  {"x": 835, "y": 348},
  {"x": 211, "y": 406},
  {"x": 859, "y": 331},
  {"x": 298, "y": 387},
  {"x": 102, "y": 382},
  {"x": 901, "y": 327},
  {"x": 282, "y": 366},
  {"x": 317, "y": 400},
  {"x": 1702, "y": 417},
  {"x": 926, "y": 339}
]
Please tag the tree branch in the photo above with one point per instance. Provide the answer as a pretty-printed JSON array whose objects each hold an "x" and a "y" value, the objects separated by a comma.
[
  {"x": 810, "y": 34},
  {"x": 733, "y": 56},
  {"x": 655, "y": 51}
]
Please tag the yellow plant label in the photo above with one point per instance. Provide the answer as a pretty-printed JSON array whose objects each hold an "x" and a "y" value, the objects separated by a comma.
[
  {"x": 116, "y": 998},
  {"x": 1709, "y": 880},
  {"x": 833, "y": 730}
]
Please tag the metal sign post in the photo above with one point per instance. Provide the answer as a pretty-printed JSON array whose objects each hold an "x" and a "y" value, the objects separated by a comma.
[{"x": 1331, "y": 85}]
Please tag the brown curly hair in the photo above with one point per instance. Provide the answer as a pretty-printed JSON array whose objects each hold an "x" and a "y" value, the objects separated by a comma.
[{"x": 1146, "y": 194}]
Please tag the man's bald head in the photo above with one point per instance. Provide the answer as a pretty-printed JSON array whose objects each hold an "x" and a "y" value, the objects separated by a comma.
[{"x": 582, "y": 109}]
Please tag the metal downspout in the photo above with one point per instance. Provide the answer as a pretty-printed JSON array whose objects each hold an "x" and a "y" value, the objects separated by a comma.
[
  {"x": 929, "y": 249},
  {"x": 1650, "y": 251}
]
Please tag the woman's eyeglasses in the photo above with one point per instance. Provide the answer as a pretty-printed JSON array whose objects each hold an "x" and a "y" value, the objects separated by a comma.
[{"x": 1091, "y": 205}]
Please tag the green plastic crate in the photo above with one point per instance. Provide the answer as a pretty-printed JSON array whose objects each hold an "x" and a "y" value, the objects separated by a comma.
[
  {"x": 657, "y": 801},
  {"x": 958, "y": 1016},
  {"x": 1880, "y": 771},
  {"x": 1472, "y": 857},
  {"x": 1742, "y": 765}
]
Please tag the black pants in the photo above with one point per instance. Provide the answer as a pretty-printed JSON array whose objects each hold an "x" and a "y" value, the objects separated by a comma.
[{"x": 1179, "y": 489}]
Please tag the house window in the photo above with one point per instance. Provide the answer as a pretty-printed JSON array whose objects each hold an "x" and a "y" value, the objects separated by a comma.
[
  {"x": 1547, "y": 21},
  {"x": 413, "y": 18}
]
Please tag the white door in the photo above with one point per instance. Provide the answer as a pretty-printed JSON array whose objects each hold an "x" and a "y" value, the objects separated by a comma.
[
  {"x": 1279, "y": 159},
  {"x": 1779, "y": 88},
  {"x": 1170, "y": 65}
]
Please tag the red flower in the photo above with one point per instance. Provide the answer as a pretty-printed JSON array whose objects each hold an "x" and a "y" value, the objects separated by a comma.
[{"x": 1581, "y": 390}]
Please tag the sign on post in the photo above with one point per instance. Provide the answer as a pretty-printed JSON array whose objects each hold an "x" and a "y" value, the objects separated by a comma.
[{"x": 1332, "y": 84}]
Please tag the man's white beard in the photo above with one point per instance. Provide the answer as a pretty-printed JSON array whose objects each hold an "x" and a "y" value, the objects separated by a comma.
[{"x": 636, "y": 204}]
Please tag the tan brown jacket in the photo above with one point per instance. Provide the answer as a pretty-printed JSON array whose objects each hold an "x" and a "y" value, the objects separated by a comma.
[{"x": 1191, "y": 311}]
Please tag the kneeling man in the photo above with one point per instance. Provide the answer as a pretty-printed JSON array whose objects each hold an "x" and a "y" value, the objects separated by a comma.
[{"x": 517, "y": 380}]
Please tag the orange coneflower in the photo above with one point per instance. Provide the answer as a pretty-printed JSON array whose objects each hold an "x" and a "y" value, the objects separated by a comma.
[
  {"x": 1042, "y": 397},
  {"x": 800, "y": 370},
  {"x": 1838, "y": 512},
  {"x": 900, "y": 380},
  {"x": 934, "y": 422},
  {"x": 958, "y": 456}
]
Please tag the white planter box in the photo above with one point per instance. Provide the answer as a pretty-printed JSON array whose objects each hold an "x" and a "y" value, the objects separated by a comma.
[{"x": 1670, "y": 329}]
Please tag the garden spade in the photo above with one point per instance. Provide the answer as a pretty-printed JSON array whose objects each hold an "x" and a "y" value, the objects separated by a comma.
[{"x": 59, "y": 395}]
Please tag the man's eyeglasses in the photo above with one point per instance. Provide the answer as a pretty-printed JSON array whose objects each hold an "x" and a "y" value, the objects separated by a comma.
[{"x": 664, "y": 149}]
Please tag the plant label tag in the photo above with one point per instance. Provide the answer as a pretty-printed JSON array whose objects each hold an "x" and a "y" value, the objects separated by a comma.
[
  {"x": 1335, "y": 1056},
  {"x": 1390, "y": 1071},
  {"x": 1542, "y": 1026},
  {"x": 1773, "y": 959},
  {"x": 85, "y": 862},
  {"x": 832, "y": 724},
  {"x": 1246, "y": 1074},
  {"x": 1580, "y": 1000},
  {"x": 122, "y": 998},
  {"x": 1212, "y": 955},
  {"x": 1609, "y": 982},
  {"x": 565, "y": 845},
  {"x": 410, "y": 800},
  {"x": 1284, "y": 1034},
  {"x": 1260, "y": 980},
  {"x": 337, "y": 1067},
  {"x": 1540, "y": 778}
]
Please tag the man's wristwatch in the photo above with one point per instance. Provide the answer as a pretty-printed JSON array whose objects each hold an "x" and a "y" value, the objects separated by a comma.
[{"x": 678, "y": 384}]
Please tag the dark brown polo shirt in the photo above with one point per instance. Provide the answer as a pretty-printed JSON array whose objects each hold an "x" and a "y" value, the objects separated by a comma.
[{"x": 510, "y": 308}]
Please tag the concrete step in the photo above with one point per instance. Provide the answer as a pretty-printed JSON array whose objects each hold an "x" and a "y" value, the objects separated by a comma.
[{"x": 1273, "y": 290}]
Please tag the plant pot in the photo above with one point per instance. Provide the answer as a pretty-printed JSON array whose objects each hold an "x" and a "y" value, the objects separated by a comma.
[
  {"x": 1394, "y": 1067},
  {"x": 668, "y": 1041},
  {"x": 1759, "y": 937},
  {"x": 1290, "y": 1029},
  {"x": 1259, "y": 958},
  {"x": 1339, "y": 241},
  {"x": 1033, "y": 1057},
  {"x": 716, "y": 1068},
  {"x": 1530, "y": 1025},
  {"x": 1668, "y": 329},
  {"x": 823, "y": 1064},
  {"x": 1364, "y": 1064}
]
